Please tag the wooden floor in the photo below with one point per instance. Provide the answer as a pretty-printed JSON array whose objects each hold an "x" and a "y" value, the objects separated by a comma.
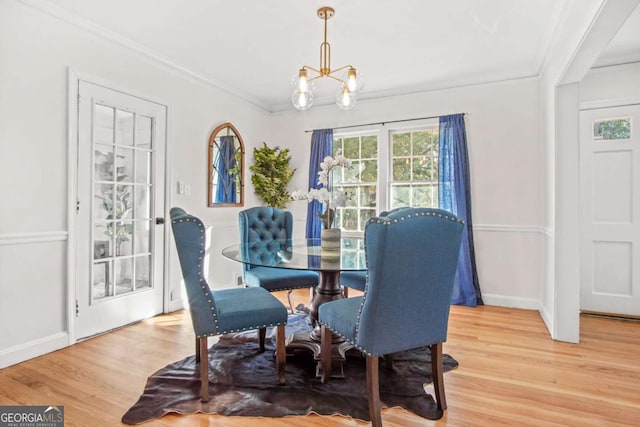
[{"x": 511, "y": 373}]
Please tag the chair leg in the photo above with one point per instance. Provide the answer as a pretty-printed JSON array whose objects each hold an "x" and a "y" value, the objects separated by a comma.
[
  {"x": 325, "y": 353},
  {"x": 345, "y": 291},
  {"x": 262, "y": 334},
  {"x": 290, "y": 301},
  {"x": 197, "y": 350},
  {"x": 204, "y": 370},
  {"x": 437, "y": 374},
  {"x": 280, "y": 354},
  {"x": 373, "y": 391}
]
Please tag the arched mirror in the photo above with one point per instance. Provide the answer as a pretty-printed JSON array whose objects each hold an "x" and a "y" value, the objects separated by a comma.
[{"x": 226, "y": 167}]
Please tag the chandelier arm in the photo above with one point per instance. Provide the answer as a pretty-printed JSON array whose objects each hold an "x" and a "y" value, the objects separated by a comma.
[
  {"x": 335, "y": 78},
  {"x": 340, "y": 69},
  {"x": 306, "y": 67}
]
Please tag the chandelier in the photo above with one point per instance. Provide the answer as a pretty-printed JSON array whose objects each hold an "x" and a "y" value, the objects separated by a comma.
[{"x": 350, "y": 82}]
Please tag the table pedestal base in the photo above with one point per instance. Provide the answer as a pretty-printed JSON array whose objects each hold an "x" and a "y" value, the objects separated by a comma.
[{"x": 328, "y": 289}]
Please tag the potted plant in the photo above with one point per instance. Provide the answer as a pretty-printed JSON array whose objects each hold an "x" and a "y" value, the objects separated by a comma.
[{"x": 271, "y": 174}]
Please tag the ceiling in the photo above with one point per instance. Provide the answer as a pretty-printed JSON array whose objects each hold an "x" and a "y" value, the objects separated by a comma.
[{"x": 254, "y": 48}]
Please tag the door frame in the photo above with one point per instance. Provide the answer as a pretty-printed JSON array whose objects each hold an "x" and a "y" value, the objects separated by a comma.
[{"x": 74, "y": 77}]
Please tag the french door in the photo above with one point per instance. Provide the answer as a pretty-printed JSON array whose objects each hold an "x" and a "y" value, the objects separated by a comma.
[
  {"x": 610, "y": 210},
  {"x": 121, "y": 158}
]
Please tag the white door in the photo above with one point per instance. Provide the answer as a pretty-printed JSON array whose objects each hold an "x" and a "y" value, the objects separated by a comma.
[
  {"x": 121, "y": 158},
  {"x": 610, "y": 210}
]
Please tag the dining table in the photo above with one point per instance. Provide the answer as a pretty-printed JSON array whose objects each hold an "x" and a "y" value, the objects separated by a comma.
[{"x": 307, "y": 254}]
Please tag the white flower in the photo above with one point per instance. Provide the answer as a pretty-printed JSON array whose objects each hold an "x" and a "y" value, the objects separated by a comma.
[{"x": 328, "y": 199}]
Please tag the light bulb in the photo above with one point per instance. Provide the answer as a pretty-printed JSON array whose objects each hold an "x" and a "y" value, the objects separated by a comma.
[
  {"x": 302, "y": 100},
  {"x": 345, "y": 99},
  {"x": 355, "y": 83},
  {"x": 303, "y": 83}
]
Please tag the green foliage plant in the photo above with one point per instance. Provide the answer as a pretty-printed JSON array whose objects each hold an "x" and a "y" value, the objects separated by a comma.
[{"x": 271, "y": 174}]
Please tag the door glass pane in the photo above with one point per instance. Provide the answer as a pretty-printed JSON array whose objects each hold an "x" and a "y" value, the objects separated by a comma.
[
  {"x": 143, "y": 132},
  {"x": 124, "y": 274},
  {"x": 124, "y": 165},
  {"x": 103, "y": 124},
  {"x": 143, "y": 206},
  {"x": 123, "y": 201},
  {"x": 142, "y": 272},
  {"x": 143, "y": 167},
  {"x": 124, "y": 128},
  {"x": 610, "y": 129},
  {"x": 102, "y": 241},
  {"x": 123, "y": 233},
  {"x": 102, "y": 283},
  {"x": 103, "y": 162},
  {"x": 103, "y": 202},
  {"x": 142, "y": 237}
]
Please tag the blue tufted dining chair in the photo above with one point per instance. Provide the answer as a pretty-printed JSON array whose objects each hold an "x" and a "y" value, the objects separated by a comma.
[
  {"x": 216, "y": 312},
  {"x": 412, "y": 256},
  {"x": 270, "y": 226}
]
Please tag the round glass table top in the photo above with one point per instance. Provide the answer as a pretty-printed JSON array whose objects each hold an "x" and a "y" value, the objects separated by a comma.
[{"x": 304, "y": 254}]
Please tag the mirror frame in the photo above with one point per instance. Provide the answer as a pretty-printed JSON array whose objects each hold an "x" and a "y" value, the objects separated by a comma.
[{"x": 212, "y": 142}]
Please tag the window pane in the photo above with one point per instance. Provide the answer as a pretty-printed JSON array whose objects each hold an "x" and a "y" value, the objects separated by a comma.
[
  {"x": 369, "y": 147},
  {"x": 368, "y": 196},
  {"x": 352, "y": 148},
  {"x": 421, "y": 169},
  {"x": 123, "y": 273},
  {"x": 612, "y": 129},
  {"x": 401, "y": 144},
  {"x": 143, "y": 277},
  {"x": 422, "y": 196},
  {"x": 421, "y": 142},
  {"x": 350, "y": 219},
  {"x": 352, "y": 196},
  {"x": 124, "y": 165},
  {"x": 401, "y": 169},
  {"x": 369, "y": 171},
  {"x": 337, "y": 147},
  {"x": 352, "y": 174},
  {"x": 400, "y": 196}
]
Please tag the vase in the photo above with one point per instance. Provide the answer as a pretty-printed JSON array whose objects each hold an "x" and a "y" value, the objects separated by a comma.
[{"x": 330, "y": 239}]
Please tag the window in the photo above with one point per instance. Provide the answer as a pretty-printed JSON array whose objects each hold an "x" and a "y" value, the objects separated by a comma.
[
  {"x": 390, "y": 169},
  {"x": 359, "y": 182},
  {"x": 414, "y": 168}
]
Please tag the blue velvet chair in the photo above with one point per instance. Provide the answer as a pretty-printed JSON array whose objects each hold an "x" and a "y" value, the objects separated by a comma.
[
  {"x": 412, "y": 256},
  {"x": 270, "y": 226},
  {"x": 216, "y": 312}
]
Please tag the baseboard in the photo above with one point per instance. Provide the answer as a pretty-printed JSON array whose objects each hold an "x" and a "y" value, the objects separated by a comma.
[
  {"x": 31, "y": 349},
  {"x": 513, "y": 302}
]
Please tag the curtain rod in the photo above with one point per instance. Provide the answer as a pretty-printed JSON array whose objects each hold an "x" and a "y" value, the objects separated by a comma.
[{"x": 383, "y": 123}]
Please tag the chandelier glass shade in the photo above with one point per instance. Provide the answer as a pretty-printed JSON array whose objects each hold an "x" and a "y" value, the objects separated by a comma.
[{"x": 350, "y": 82}]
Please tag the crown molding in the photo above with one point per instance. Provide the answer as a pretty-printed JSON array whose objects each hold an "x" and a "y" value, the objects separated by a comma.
[{"x": 51, "y": 9}]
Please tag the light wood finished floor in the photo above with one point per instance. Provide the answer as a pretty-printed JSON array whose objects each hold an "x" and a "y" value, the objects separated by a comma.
[{"x": 511, "y": 373}]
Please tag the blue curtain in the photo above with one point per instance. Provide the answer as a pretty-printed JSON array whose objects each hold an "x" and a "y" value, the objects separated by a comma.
[
  {"x": 454, "y": 195},
  {"x": 226, "y": 187},
  {"x": 321, "y": 147}
]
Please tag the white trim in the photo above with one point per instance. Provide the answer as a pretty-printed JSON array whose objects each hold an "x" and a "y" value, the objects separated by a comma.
[
  {"x": 609, "y": 103},
  {"x": 511, "y": 301},
  {"x": 55, "y": 11},
  {"x": 31, "y": 349},
  {"x": 31, "y": 238},
  {"x": 73, "y": 89},
  {"x": 509, "y": 228},
  {"x": 546, "y": 318}
]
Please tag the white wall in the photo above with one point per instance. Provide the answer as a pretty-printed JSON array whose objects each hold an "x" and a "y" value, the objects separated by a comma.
[
  {"x": 36, "y": 50},
  {"x": 503, "y": 130},
  {"x": 609, "y": 86}
]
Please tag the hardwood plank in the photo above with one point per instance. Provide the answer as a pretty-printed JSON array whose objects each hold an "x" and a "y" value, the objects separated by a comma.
[{"x": 511, "y": 373}]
